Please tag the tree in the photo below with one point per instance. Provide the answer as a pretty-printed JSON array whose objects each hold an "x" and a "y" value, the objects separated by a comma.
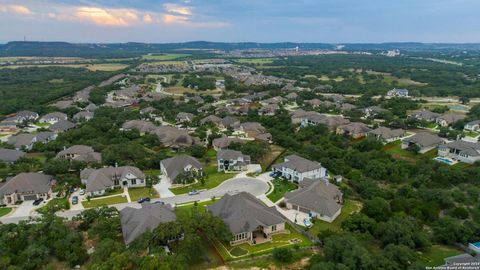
[
  {"x": 464, "y": 100},
  {"x": 377, "y": 208},
  {"x": 283, "y": 255},
  {"x": 402, "y": 231},
  {"x": 197, "y": 151},
  {"x": 347, "y": 250}
]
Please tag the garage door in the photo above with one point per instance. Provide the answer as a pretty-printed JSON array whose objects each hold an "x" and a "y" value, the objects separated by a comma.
[{"x": 29, "y": 197}]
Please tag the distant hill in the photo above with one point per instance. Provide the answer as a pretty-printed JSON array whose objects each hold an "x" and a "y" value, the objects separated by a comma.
[{"x": 35, "y": 48}]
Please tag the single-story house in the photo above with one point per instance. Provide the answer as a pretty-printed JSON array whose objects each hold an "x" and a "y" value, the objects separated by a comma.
[
  {"x": 386, "y": 135},
  {"x": 425, "y": 115},
  {"x": 10, "y": 156},
  {"x": 472, "y": 125},
  {"x": 98, "y": 181},
  {"x": 26, "y": 187},
  {"x": 468, "y": 152},
  {"x": 397, "y": 92},
  {"x": 231, "y": 160},
  {"x": 83, "y": 115},
  {"x": 449, "y": 118},
  {"x": 62, "y": 126},
  {"x": 223, "y": 142},
  {"x": 297, "y": 115},
  {"x": 354, "y": 130},
  {"x": 317, "y": 197},
  {"x": 248, "y": 218},
  {"x": 296, "y": 168},
  {"x": 137, "y": 221},
  {"x": 424, "y": 140},
  {"x": 22, "y": 141},
  {"x": 332, "y": 122},
  {"x": 140, "y": 125},
  {"x": 373, "y": 111},
  {"x": 22, "y": 116},
  {"x": 183, "y": 117},
  {"x": 183, "y": 164},
  {"x": 82, "y": 153},
  {"x": 52, "y": 118},
  {"x": 174, "y": 137}
]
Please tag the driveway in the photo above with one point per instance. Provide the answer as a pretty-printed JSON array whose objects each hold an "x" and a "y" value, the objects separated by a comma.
[
  {"x": 25, "y": 209},
  {"x": 163, "y": 187}
]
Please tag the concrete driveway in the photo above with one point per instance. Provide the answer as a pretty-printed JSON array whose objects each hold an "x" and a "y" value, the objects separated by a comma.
[
  {"x": 25, "y": 209},
  {"x": 163, "y": 187}
]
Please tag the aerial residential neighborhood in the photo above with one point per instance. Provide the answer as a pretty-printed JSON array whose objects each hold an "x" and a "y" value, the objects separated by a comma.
[{"x": 175, "y": 135}]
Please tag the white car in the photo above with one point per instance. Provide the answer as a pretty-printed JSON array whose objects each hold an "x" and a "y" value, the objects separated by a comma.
[
  {"x": 307, "y": 222},
  {"x": 82, "y": 192}
]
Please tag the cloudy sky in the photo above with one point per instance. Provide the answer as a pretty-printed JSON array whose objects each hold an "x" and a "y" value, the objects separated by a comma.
[{"x": 335, "y": 21}]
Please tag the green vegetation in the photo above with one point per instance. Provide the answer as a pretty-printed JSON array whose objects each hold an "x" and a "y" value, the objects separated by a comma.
[
  {"x": 54, "y": 205},
  {"x": 437, "y": 253},
  {"x": 213, "y": 179},
  {"x": 281, "y": 186},
  {"x": 164, "y": 56},
  {"x": 104, "y": 201},
  {"x": 349, "y": 207},
  {"x": 144, "y": 192},
  {"x": 4, "y": 211}
]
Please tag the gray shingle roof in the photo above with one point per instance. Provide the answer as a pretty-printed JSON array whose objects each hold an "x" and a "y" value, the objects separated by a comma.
[
  {"x": 172, "y": 136},
  {"x": 424, "y": 139},
  {"x": 21, "y": 140},
  {"x": 320, "y": 197},
  {"x": 451, "y": 118},
  {"x": 101, "y": 179},
  {"x": 231, "y": 154},
  {"x": 387, "y": 133},
  {"x": 470, "y": 148},
  {"x": 243, "y": 212},
  {"x": 34, "y": 183},
  {"x": 298, "y": 164},
  {"x": 135, "y": 221},
  {"x": 62, "y": 125},
  {"x": 9, "y": 155},
  {"x": 224, "y": 142},
  {"x": 140, "y": 125},
  {"x": 54, "y": 115},
  {"x": 176, "y": 165},
  {"x": 84, "y": 153},
  {"x": 355, "y": 127}
]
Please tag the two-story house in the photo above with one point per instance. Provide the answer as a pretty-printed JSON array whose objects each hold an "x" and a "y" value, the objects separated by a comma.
[{"x": 296, "y": 168}]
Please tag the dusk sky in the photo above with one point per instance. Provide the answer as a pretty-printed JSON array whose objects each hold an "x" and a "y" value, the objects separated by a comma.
[{"x": 331, "y": 21}]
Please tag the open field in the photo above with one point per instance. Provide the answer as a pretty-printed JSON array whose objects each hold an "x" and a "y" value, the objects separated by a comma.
[
  {"x": 104, "y": 201},
  {"x": 389, "y": 78},
  {"x": 348, "y": 208},
  {"x": 166, "y": 56},
  {"x": 172, "y": 63},
  {"x": 91, "y": 67}
]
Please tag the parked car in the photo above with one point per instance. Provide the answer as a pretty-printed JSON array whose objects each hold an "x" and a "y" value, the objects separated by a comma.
[
  {"x": 193, "y": 192},
  {"x": 142, "y": 200},
  {"x": 307, "y": 222},
  {"x": 38, "y": 201},
  {"x": 275, "y": 174},
  {"x": 75, "y": 200},
  {"x": 159, "y": 202},
  {"x": 82, "y": 192}
]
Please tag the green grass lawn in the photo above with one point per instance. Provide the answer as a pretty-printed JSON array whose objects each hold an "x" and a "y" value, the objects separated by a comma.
[
  {"x": 214, "y": 179},
  {"x": 143, "y": 192},
  {"x": 281, "y": 187},
  {"x": 397, "y": 152},
  {"x": 166, "y": 56},
  {"x": 348, "y": 208},
  {"x": 4, "y": 211},
  {"x": 55, "y": 205},
  {"x": 436, "y": 254},
  {"x": 186, "y": 209},
  {"x": 152, "y": 173},
  {"x": 104, "y": 201},
  {"x": 279, "y": 240}
]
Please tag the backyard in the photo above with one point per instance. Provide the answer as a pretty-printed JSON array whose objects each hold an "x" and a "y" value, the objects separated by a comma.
[
  {"x": 213, "y": 179},
  {"x": 293, "y": 238},
  {"x": 104, "y": 201},
  {"x": 348, "y": 208},
  {"x": 4, "y": 211},
  {"x": 397, "y": 152},
  {"x": 437, "y": 253},
  {"x": 281, "y": 186}
]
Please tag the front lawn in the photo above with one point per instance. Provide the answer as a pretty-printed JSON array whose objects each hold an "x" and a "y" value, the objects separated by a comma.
[
  {"x": 143, "y": 192},
  {"x": 55, "y": 205},
  {"x": 4, "y": 211},
  {"x": 437, "y": 253},
  {"x": 279, "y": 240},
  {"x": 281, "y": 186},
  {"x": 104, "y": 201},
  {"x": 348, "y": 208},
  {"x": 213, "y": 179}
]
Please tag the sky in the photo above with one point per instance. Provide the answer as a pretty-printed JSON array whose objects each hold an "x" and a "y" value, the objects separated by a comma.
[{"x": 154, "y": 21}]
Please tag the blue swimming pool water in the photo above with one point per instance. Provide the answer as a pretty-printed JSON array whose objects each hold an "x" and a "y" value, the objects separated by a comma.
[
  {"x": 458, "y": 107},
  {"x": 449, "y": 162},
  {"x": 476, "y": 244}
]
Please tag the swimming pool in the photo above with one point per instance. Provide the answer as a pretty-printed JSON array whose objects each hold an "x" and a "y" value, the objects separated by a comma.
[
  {"x": 448, "y": 162},
  {"x": 458, "y": 107}
]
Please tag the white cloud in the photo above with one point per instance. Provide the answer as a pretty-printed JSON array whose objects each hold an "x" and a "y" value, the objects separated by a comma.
[
  {"x": 15, "y": 9},
  {"x": 177, "y": 9}
]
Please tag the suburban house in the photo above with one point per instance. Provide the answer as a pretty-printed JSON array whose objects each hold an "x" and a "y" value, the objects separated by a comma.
[
  {"x": 397, "y": 92},
  {"x": 248, "y": 218},
  {"x": 332, "y": 122},
  {"x": 269, "y": 109},
  {"x": 10, "y": 156},
  {"x": 147, "y": 111},
  {"x": 386, "y": 135},
  {"x": 292, "y": 96},
  {"x": 464, "y": 259},
  {"x": 316, "y": 197},
  {"x": 373, "y": 111},
  {"x": 98, "y": 181},
  {"x": 468, "y": 152},
  {"x": 22, "y": 141},
  {"x": 83, "y": 116},
  {"x": 23, "y": 116},
  {"x": 231, "y": 160},
  {"x": 211, "y": 119},
  {"x": 136, "y": 221},
  {"x": 174, "y": 137},
  {"x": 184, "y": 117},
  {"x": 424, "y": 140},
  {"x": 8, "y": 126},
  {"x": 346, "y": 107},
  {"x": 254, "y": 130},
  {"x": 425, "y": 115},
  {"x": 296, "y": 168},
  {"x": 52, "y": 118},
  {"x": 177, "y": 165},
  {"x": 223, "y": 142},
  {"x": 355, "y": 130},
  {"x": 297, "y": 115},
  {"x": 82, "y": 153},
  {"x": 449, "y": 118},
  {"x": 61, "y": 126},
  {"x": 26, "y": 187},
  {"x": 140, "y": 125},
  {"x": 472, "y": 126}
]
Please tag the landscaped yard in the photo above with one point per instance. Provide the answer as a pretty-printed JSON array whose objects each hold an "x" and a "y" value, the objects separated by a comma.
[
  {"x": 279, "y": 240},
  {"x": 436, "y": 254},
  {"x": 214, "y": 178},
  {"x": 348, "y": 208},
  {"x": 397, "y": 152},
  {"x": 4, "y": 211},
  {"x": 104, "y": 201},
  {"x": 143, "y": 192},
  {"x": 281, "y": 187}
]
